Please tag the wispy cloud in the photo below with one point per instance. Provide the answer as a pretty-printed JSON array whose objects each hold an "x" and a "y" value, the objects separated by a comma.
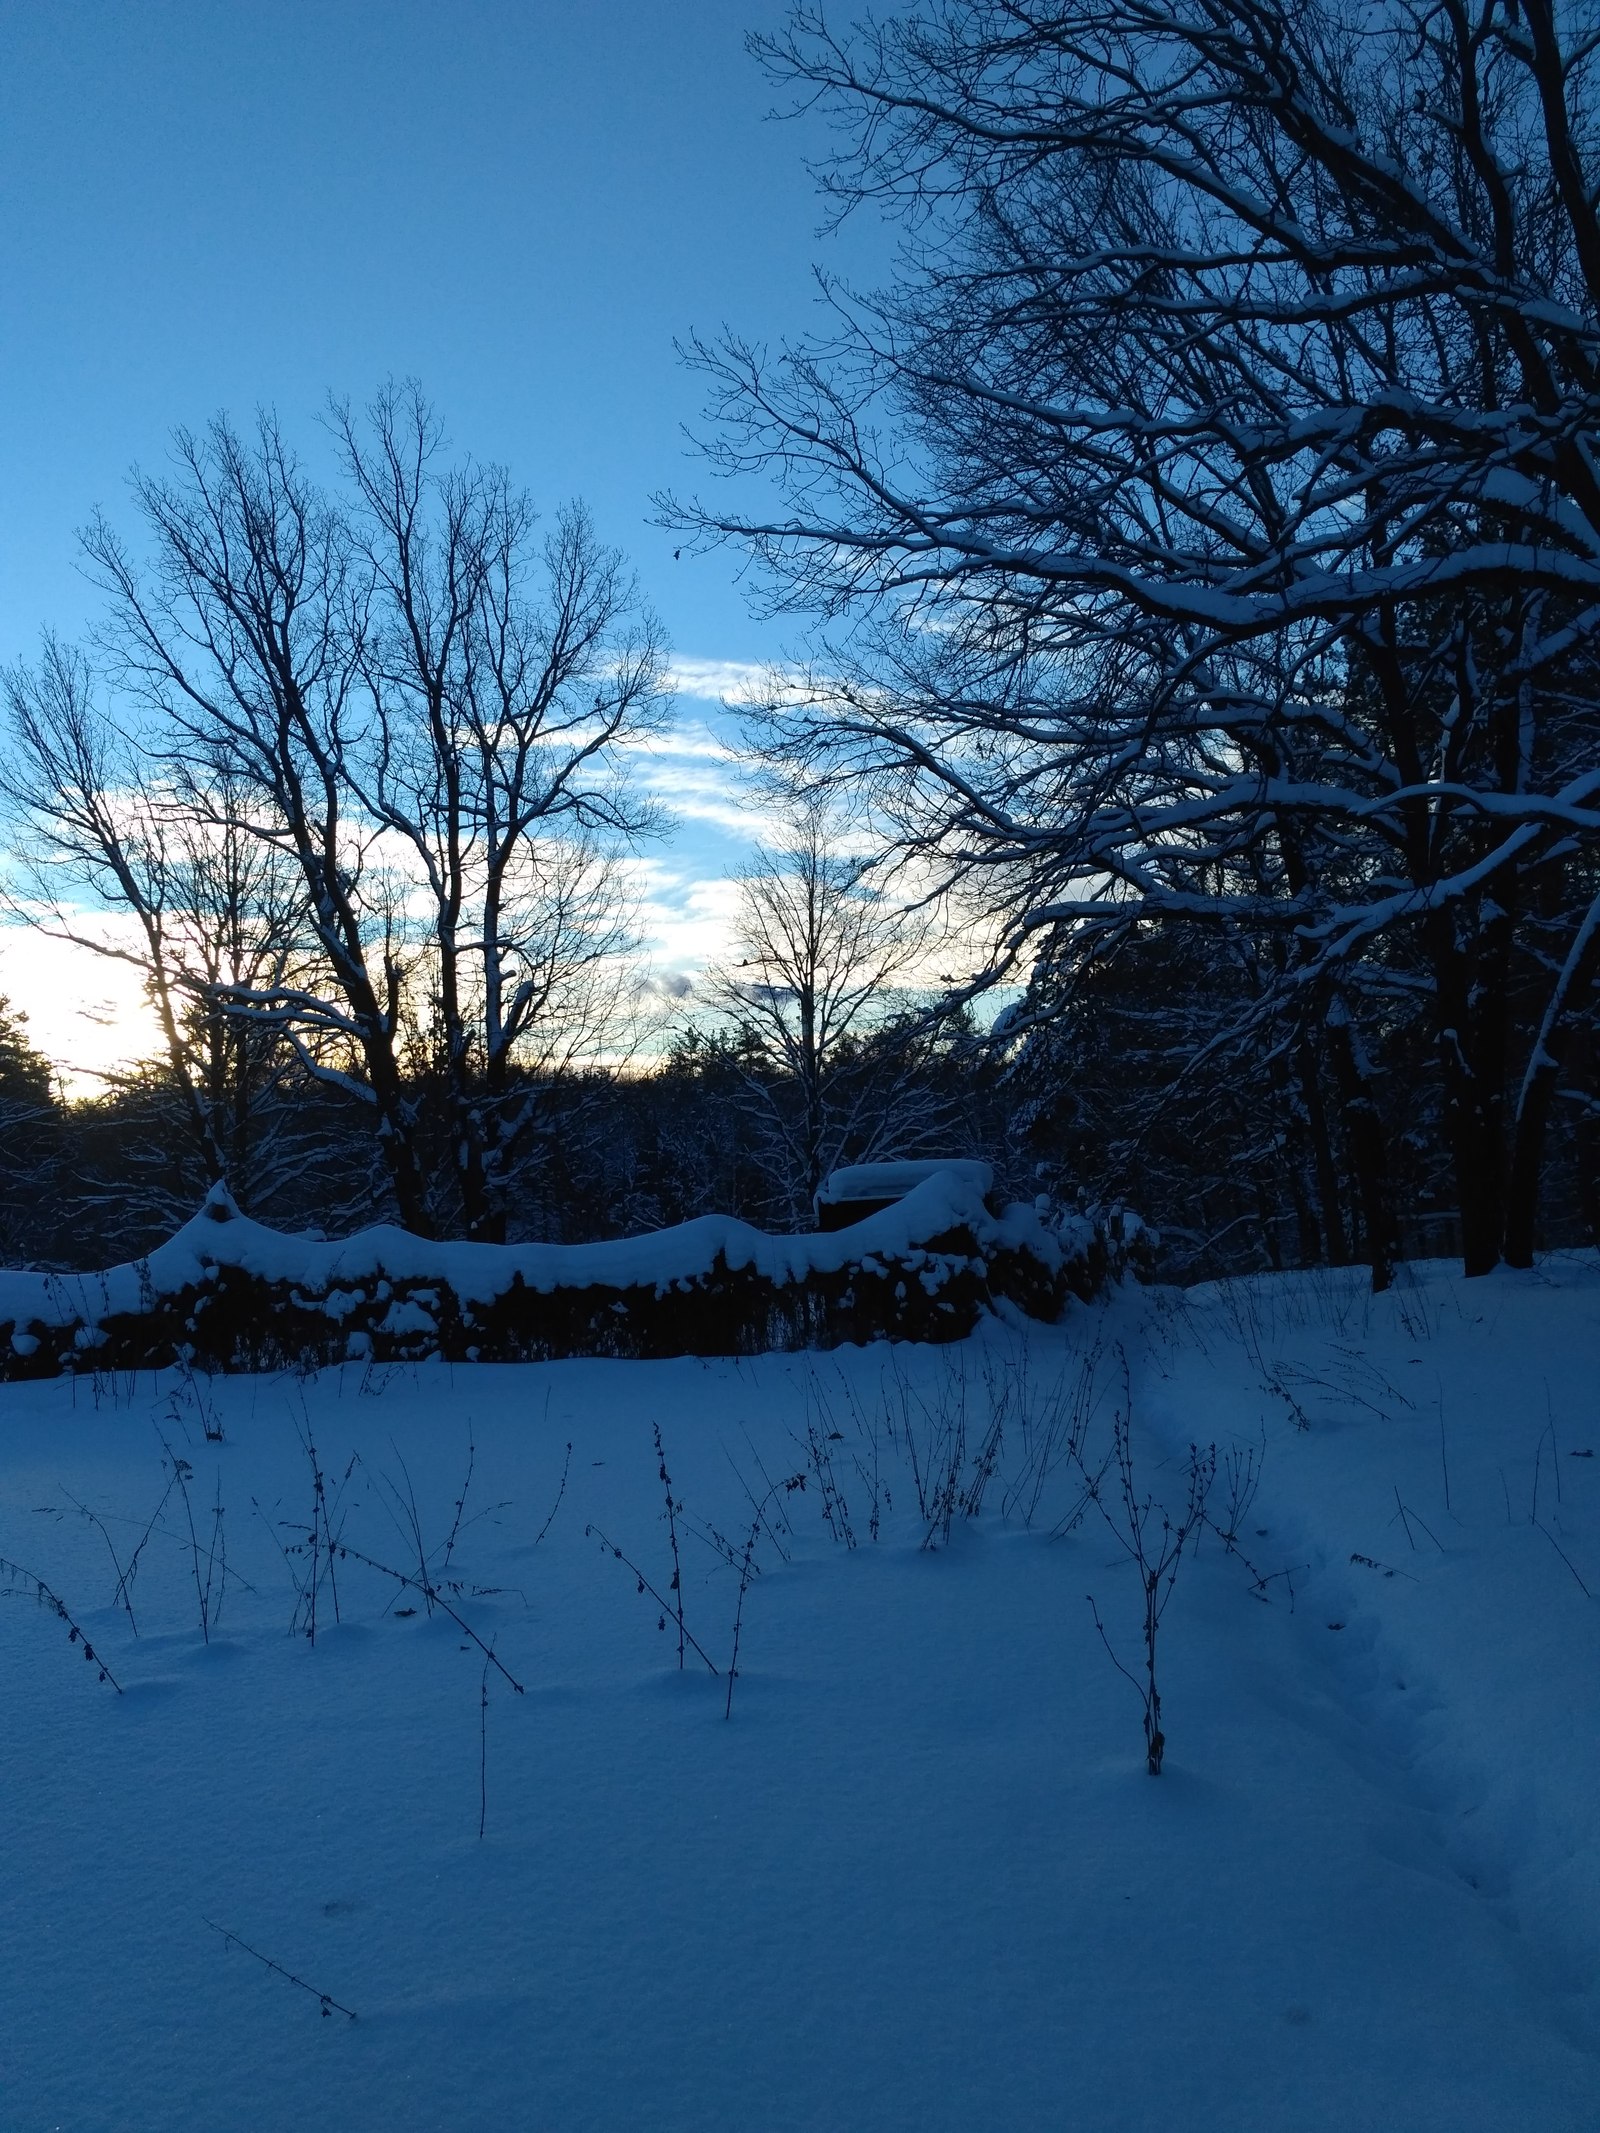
[
  {"x": 687, "y": 923},
  {"x": 689, "y": 739},
  {"x": 693, "y": 796},
  {"x": 692, "y": 745},
  {"x": 737, "y": 683},
  {"x": 694, "y": 772},
  {"x": 715, "y": 681}
]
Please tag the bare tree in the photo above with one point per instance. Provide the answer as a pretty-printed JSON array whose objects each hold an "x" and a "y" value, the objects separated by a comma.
[
  {"x": 100, "y": 830},
  {"x": 497, "y": 727},
  {"x": 1213, "y": 505},
  {"x": 818, "y": 988},
  {"x": 425, "y": 711}
]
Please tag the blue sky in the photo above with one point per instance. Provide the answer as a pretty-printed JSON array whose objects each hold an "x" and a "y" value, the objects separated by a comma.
[{"x": 209, "y": 206}]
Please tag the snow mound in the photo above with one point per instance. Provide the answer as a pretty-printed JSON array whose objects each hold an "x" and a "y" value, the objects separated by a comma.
[
  {"x": 891, "y": 1181},
  {"x": 240, "y": 1295}
]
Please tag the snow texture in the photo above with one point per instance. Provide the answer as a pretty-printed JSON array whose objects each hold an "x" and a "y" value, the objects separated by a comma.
[{"x": 919, "y": 1879}]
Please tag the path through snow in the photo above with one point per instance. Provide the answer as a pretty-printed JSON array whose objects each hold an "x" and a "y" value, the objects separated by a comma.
[{"x": 920, "y": 1879}]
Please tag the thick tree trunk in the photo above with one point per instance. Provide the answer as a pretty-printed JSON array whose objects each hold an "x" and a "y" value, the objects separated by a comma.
[
  {"x": 1527, "y": 1159},
  {"x": 1326, "y": 1169},
  {"x": 400, "y": 1157},
  {"x": 1587, "y": 1138},
  {"x": 485, "y": 1219},
  {"x": 1475, "y": 1148},
  {"x": 1473, "y": 1121},
  {"x": 1293, "y": 1178},
  {"x": 1539, "y": 1088},
  {"x": 1365, "y": 1130},
  {"x": 480, "y": 1220}
]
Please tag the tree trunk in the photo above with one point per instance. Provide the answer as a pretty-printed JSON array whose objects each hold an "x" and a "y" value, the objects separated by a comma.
[
  {"x": 1472, "y": 1124},
  {"x": 1365, "y": 1129},
  {"x": 1527, "y": 1158},
  {"x": 1539, "y": 1088},
  {"x": 1335, "y": 1246},
  {"x": 400, "y": 1157}
]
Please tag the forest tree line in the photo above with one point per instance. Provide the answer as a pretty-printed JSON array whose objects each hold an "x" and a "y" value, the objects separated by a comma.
[{"x": 1197, "y": 542}]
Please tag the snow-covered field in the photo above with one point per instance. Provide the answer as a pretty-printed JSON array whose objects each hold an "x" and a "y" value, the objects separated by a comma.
[{"x": 919, "y": 1878}]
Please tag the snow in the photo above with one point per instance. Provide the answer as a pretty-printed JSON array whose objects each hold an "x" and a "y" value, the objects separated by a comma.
[
  {"x": 919, "y": 1878},
  {"x": 339, "y": 1272},
  {"x": 888, "y": 1181}
]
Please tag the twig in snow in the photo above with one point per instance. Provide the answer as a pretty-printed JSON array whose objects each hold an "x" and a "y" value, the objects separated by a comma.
[
  {"x": 48, "y": 1597},
  {"x": 645, "y": 1585},
  {"x": 1112, "y": 1656},
  {"x": 1157, "y": 1561},
  {"x": 566, "y": 1468},
  {"x": 1555, "y": 1449},
  {"x": 1567, "y": 1559},
  {"x": 321, "y": 1540},
  {"x": 1400, "y": 1507},
  {"x": 433, "y": 1597},
  {"x": 461, "y": 1500},
  {"x": 748, "y": 1573},
  {"x": 1406, "y": 1514},
  {"x": 483, "y": 1742},
  {"x": 413, "y": 1518},
  {"x": 671, "y": 1515},
  {"x": 1241, "y": 1475},
  {"x": 1370, "y": 1562},
  {"x": 328, "y": 2003},
  {"x": 750, "y": 1495},
  {"x": 182, "y": 1472},
  {"x": 122, "y": 1597}
]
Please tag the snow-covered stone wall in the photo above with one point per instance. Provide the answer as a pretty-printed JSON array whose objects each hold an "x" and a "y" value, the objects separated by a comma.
[{"x": 227, "y": 1294}]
